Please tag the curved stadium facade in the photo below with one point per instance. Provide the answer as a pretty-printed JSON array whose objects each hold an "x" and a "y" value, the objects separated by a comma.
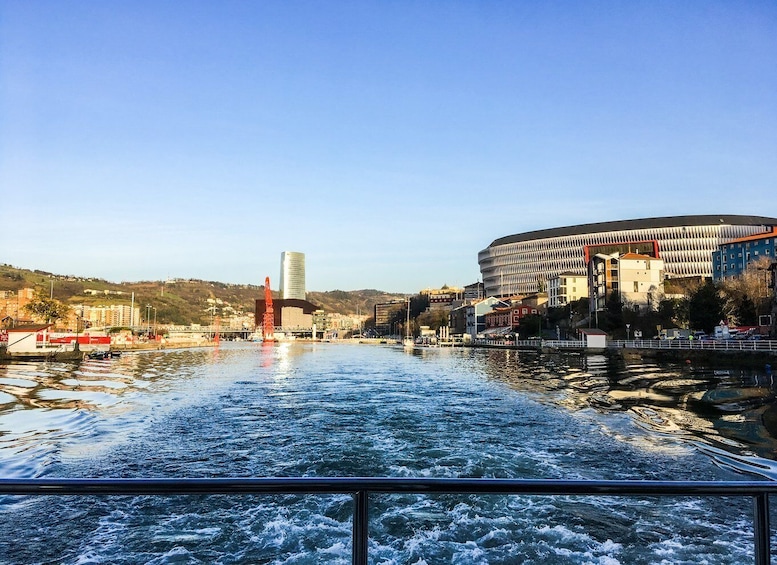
[{"x": 516, "y": 264}]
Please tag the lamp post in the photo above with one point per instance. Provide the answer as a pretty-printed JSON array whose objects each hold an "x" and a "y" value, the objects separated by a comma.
[
  {"x": 148, "y": 319},
  {"x": 154, "y": 321},
  {"x": 628, "y": 326}
]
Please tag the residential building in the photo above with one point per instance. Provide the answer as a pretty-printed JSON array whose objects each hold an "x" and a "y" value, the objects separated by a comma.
[
  {"x": 637, "y": 279},
  {"x": 111, "y": 316},
  {"x": 505, "y": 319},
  {"x": 442, "y": 298},
  {"x": 12, "y": 303},
  {"x": 732, "y": 258},
  {"x": 565, "y": 288},
  {"x": 476, "y": 312},
  {"x": 384, "y": 312},
  {"x": 474, "y": 291},
  {"x": 457, "y": 320}
]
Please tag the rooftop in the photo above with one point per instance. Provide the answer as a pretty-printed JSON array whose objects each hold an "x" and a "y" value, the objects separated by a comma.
[{"x": 645, "y": 223}]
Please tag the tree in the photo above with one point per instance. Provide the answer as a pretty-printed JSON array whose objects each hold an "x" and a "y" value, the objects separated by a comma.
[
  {"x": 530, "y": 326},
  {"x": 667, "y": 312},
  {"x": 613, "y": 314},
  {"x": 435, "y": 319},
  {"x": 43, "y": 308},
  {"x": 706, "y": 307},
  {"x": 745, "y": 313}
]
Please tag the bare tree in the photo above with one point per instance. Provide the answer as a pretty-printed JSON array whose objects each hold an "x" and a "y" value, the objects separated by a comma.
[{"x": 748, "y": 295}]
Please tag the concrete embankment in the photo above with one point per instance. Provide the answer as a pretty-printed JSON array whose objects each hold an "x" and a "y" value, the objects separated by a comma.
[
  {"x": 704, "y": 357},
  {"x": 155, "y": 345},
  {"x": 728, "y": 358}
]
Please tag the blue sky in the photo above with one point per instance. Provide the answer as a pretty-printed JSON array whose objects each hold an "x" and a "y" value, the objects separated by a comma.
[{"x": 388, "y": 141}]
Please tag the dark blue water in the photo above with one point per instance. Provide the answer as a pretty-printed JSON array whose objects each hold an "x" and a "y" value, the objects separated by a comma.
[{"x": 351, "y": 410}]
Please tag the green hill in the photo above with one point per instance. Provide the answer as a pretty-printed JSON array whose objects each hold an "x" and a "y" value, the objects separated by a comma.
[{"x": 180, "y": 301}]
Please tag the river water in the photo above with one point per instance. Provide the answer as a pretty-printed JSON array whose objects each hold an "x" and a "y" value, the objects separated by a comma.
[{"x": 320, "y": 409}]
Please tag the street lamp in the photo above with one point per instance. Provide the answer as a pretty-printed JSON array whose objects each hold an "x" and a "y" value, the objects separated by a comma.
[
  {"x": 627, "y": 331},
  {"x": 148, "y": 318},
  {"x": 154, "y": 321}
]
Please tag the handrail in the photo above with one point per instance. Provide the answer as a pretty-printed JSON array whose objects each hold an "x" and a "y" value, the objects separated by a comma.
[
  {"x": 361, "y": 487},
  {"x": 764, "y": 345}
]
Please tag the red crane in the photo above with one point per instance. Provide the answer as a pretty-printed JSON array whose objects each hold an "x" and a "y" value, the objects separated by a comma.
[{"x": 268, "y": 322}]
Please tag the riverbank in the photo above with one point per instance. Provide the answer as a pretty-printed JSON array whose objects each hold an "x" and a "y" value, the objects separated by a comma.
[
  {"x": 728, "y": 354},
  {"x": 157, "y": 345},
  {"x": 61, "y": 354},
  {"x": 703, "y": 357}
]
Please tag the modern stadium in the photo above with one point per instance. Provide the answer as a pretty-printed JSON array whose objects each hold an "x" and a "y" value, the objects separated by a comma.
[{"x": 521, "y": 263}]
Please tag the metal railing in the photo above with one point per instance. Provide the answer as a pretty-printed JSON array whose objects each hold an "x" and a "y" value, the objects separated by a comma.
[
  {"x": 361, "y": 488},
  {"x": 764, "y": 345},
  {"x": 702, "y": 344}
]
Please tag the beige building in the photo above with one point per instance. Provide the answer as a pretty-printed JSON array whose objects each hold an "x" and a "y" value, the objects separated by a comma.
[
  {"x": 113, "y": 316},
  {"x": 443, "y": 298},
  {"x": 638, "y": 279},
  {"x": 12, "y": 303},
  {"x": 565, "y": 288}
]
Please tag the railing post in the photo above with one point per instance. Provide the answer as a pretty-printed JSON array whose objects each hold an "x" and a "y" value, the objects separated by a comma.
[
  {"x": 360, "y": 527},
  {"x": 761, "y": 528}
]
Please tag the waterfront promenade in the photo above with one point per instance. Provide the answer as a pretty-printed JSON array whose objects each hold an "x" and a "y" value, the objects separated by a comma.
[
  {"x": 769, "y": 346},
  {"x": 729, "y": 353}
]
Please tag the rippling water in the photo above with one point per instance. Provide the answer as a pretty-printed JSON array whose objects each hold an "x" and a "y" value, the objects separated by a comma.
[{"x": 348, "y": 410}]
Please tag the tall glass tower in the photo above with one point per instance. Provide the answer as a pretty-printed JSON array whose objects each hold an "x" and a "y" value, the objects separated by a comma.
[{"x": 292, "y": 275}]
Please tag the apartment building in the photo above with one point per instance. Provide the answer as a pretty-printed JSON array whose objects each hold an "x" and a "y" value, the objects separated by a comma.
[
  {"x": 637, "y": 279},
  {"x": 732, "y": 258},
  {"x": 565, "y": 288}
]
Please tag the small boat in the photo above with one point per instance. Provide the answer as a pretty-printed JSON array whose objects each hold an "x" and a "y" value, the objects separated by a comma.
[{"x": 103, "y": 354}]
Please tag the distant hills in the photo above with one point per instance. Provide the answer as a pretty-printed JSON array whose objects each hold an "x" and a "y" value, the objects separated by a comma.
[{"x": 179, "y": 301}]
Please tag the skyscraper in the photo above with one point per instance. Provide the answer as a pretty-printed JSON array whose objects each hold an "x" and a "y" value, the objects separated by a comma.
[{"x": 292, "y": 275}]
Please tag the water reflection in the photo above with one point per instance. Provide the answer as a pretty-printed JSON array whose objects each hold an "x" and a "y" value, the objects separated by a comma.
[
  {"x": 50, "y": 411},
  {"x": 729, "y": 412}
]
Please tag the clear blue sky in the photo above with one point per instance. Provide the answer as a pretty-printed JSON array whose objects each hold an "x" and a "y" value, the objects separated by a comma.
[{"x": 388, "y": 141}]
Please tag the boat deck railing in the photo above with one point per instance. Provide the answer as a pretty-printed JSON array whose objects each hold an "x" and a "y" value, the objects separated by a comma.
[{"x": 361, "y": 489}]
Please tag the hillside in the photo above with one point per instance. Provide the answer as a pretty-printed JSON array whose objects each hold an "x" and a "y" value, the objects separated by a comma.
[{"x": 181, "y": 301}]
